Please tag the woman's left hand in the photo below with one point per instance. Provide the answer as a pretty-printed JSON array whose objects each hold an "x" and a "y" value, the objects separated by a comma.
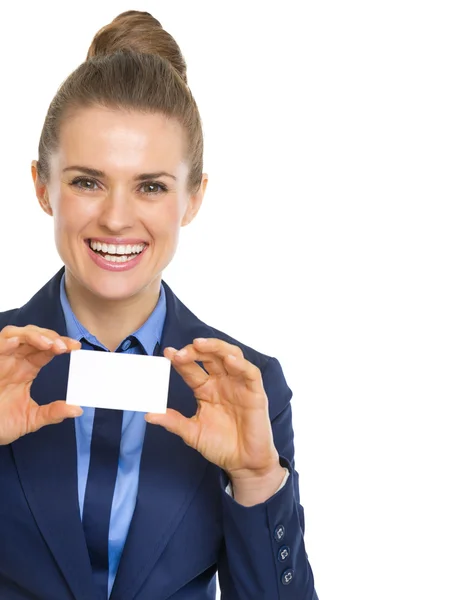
[{"x": 231, "y": 427}]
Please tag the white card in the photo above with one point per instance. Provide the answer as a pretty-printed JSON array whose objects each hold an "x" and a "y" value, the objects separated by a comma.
[{"x": 118, "y": 380}]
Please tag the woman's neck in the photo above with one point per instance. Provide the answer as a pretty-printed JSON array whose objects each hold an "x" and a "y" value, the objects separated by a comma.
[{"x": 110, "y": 321}]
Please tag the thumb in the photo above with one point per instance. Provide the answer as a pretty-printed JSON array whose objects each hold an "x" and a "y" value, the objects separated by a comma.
[
  {"x": 53, "y": 413},
  {"x": 175, "y": 422}
]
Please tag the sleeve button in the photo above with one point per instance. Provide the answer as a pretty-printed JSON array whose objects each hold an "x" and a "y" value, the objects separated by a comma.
[
  {"x": 287, "y": 576},
  {"x": 279, "y": 533},
  {"x": 284, "y": 553}
]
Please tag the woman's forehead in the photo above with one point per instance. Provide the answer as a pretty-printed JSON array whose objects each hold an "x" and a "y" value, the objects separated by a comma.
[{"x": 120, "y": 139}]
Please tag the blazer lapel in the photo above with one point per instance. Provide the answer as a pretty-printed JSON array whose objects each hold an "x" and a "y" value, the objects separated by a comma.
[
  {"x": 170, "y": 471},
  {"x": 46, "y": 460}
]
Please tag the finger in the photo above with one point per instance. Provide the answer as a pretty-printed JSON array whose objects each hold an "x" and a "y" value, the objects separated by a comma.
[
  {"x": 213, "y": 364},
  {"x": 192, "y": 373},
  {"x": 211, "y": 352},
  {"x": 32, "y": 332},
  {"x": 50, "y": 334},
  {"x": 249, "y": 373},
  {"x": 225, "y": 352},
  {"x": 217, "y": 347},
  {"x": 52, "y": 413},
  {"x": 59, "y": 342},
  {"x": 33, "y": 337},
  {"x": 8, "y": 345},
  {"x": 31, "y": 342},
  {"x": 175, "y": 422},
  {"x": 12, "y": 330}
]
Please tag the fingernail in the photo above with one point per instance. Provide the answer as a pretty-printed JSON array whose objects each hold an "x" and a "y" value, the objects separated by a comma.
[
  {"x": 12, "y": 340},
  {"x": 182, "y": 352},
  {"x": 76, "y": 412},
  {"x": 46, "y": 340},
  {"x": 60, "y": 344},
  {"x": 200, "y": 340}
]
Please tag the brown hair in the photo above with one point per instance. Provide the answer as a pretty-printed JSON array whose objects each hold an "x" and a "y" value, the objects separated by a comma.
[{"x": 132, "y": 64}]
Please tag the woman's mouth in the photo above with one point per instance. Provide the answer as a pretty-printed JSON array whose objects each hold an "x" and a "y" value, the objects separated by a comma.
[{"x": 115, "y": 257}]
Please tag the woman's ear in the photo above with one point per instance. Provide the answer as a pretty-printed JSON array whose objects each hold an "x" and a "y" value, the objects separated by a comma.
[
  {"x": 195, "y": 202},
  {"x": 41, "y": 190}
]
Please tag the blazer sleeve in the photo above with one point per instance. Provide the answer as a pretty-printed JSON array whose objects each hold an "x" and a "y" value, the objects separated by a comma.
[{"x": 263, "y": 555}]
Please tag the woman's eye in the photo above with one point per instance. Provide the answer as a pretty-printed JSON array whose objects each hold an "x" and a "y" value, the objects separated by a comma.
[
  {"x": 150, "y": 188},
  {"x": 84, "y": 183}
]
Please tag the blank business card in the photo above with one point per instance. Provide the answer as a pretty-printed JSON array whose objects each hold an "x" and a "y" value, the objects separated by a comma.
[{"x": 117, "y": 380}]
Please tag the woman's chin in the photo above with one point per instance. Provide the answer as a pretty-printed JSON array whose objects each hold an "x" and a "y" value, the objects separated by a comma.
[{"x": 115, "y": 291}]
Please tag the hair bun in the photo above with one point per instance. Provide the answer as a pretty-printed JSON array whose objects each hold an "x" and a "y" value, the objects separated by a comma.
[
  {"x": 138, "y": 31},
  {"x": 140, "y": 15}
]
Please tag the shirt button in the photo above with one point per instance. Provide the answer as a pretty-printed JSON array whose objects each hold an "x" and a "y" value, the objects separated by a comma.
[
  {"x": 126, "y": 344},
  {"x": 287, "y": 576},
  {"x": 284, "y": 553},
  {"x": 279, "y": 533}
]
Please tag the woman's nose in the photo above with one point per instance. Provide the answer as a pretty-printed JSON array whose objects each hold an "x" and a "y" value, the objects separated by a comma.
[{"x": 117, "y": 211}]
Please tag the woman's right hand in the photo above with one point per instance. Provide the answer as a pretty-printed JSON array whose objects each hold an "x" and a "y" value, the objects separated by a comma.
[{"x": 23, "y": 353}]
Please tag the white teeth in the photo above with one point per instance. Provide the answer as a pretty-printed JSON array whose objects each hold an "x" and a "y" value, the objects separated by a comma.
[
  {"x": 116, "y": 249},
  {"x": 118, "y": 259}
]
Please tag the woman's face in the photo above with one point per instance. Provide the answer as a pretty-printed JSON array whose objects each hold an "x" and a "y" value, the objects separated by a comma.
[{"x": 118, "y": 178}]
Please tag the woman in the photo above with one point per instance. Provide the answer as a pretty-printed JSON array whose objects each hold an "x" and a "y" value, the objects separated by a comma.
[{"x": 114, "y": 503}]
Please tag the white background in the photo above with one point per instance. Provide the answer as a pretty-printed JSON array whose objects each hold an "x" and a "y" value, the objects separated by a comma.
[{"x": 323, "y": 241}]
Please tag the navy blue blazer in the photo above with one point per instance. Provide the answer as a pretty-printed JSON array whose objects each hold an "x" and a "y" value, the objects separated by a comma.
[{"x": 184, "y": 528}]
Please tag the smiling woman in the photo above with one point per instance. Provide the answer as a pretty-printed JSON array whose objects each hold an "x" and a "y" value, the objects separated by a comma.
[
  {"x": 116, "y": 503},
  {"x": 116, "y": 177}
]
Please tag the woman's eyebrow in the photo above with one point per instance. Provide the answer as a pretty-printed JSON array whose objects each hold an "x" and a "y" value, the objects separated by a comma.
[{"x": 97, "y": 173}]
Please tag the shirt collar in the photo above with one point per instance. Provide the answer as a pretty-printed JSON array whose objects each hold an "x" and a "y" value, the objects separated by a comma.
[{"x": 148, "y": 334}]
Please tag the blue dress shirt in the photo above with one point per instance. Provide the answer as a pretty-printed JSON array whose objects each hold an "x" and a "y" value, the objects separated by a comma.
[{"x": 133, "y": 431}]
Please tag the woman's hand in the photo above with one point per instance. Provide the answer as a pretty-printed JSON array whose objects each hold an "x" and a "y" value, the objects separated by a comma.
[
  {"x": 232, "y": 426},
  {"x": 23, "y": 352}
]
